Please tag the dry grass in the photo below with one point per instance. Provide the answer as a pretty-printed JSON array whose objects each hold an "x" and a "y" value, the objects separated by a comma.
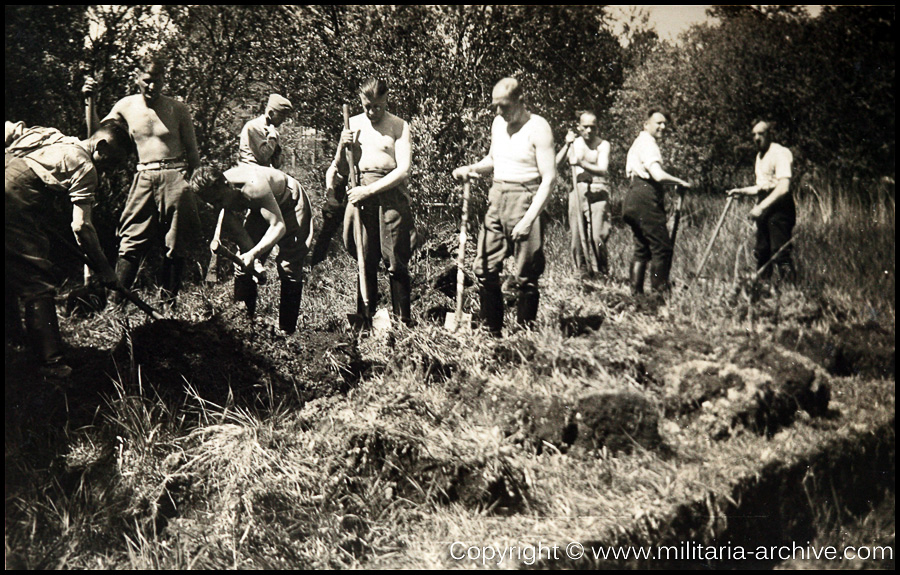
[{"x": 418, "y": 446}]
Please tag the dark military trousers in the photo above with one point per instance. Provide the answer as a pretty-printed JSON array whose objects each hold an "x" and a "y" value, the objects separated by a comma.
[
  {"x": 773, "y": 231},
  {"x": 644, "y": 211}
]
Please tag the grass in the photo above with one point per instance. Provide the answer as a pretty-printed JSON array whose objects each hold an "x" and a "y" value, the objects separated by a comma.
[{"x": 323, "y": 451}]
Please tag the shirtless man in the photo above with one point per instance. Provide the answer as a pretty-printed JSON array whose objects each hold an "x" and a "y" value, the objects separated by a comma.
[
  {"x": 160, "y": 203},
  {"x": 522, "y": 160},
  {"x": 280, "y": 213},
  {"x": 588, "y": 154},
  {"x": 381, "y": 142}
]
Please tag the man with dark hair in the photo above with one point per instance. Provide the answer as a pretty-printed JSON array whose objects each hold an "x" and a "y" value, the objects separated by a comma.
[
  {"x": 775, "y": 213},
  {"x": 280, "y": 213},
  {"x": 160, "y": 204},
  {"x": 522, "y": 160},
  {"x": 260, "y": 141},
  {"x": 37, "y": 169},
  {"x": 383, "y": 150},
  {"x": 644, "y": 209}
]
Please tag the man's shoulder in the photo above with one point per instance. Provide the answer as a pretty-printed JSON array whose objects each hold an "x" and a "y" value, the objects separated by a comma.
[{"x": 538, "y": 122}]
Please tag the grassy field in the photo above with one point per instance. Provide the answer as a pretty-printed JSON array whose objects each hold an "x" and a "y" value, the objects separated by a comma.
[{"x": 210, "y": 441}]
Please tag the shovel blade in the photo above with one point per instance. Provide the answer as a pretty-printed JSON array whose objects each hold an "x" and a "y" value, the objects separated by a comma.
[
  {"x": 453, "y": 323},
  {"x": 382, "y": 321}
]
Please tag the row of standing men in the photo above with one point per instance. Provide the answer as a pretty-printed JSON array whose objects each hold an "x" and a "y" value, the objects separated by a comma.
[{"x": 161, "y": 202}]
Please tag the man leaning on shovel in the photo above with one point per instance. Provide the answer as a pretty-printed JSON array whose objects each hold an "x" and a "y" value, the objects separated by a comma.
[
  {"x": 382, "y": 148},
  {"x": 523, "y": 163}
]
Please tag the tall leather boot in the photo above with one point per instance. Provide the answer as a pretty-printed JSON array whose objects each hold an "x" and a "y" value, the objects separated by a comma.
[
  {"x": 636, "y": 276},
  {"x": 400, "y": 296},
  {"x": 492, "y": 309},
  {"x": 126, "y": 272},
  {"x": 331, "y": 223},
  {"x": 172, "y": 270},
  {"x": 372, "y": 285},
  {"x": 289, "y": 307},
  {"x": 527, "y": 307},
  {"x": 246, "y": 290},
  {"x": 42, "y": 330},
  {"x": 659, "y": 277}
]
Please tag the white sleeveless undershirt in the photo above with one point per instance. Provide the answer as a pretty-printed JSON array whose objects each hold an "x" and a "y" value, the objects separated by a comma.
[{"x": 514, "y": 155}]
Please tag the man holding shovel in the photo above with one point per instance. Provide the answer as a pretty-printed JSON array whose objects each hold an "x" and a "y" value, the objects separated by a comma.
[
  {"x": 379, "y": 205},
  {"x": 280, "y": 213},
  {"x": 522, "y": 160},
  {"x": 643, "y": 208},
  {"x": 774, "y": 213},
  {"x": 33, "y": 176},
  {"x": 588, "y": 154}
]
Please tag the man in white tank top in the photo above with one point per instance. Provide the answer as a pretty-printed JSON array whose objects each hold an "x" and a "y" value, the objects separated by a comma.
[{"x": 522, "y": 160}]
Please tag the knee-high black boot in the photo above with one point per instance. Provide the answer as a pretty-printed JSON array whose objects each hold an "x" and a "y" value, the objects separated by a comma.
[
  {"x": 636, "y": 277},
  {"x": 527, "y": 307},
  {"x": 42, "y": 329},
  {"x": 126, "y": 272},
  {"x": 492, "y": 309},
  {"x": 172, "y": 270},
  {"x": 246, "y": 290},
  {"x": 289, "y": 307},
  {"x": 400, "y": 296}
]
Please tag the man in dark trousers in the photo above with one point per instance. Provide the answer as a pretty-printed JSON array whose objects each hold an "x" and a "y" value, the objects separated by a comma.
[
  {"x": 775, "y": 213},
  {"x": 34, "y": 174},
  {"x": 280, "y": 214},
  {"x": 523, "y": 163},
  {"x": 160, "y": 204},
  {"x": 644, "y": 209}
]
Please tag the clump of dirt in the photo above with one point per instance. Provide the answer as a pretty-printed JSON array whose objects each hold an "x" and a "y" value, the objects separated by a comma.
[
  {"x": 866, "y": 350},
  {"x": 239, "y": 358},
  {"x": 409, "y": 470},
  {"x": 615, "y": 421},
  {"x": 573, "y": 326},
  {"x": 757, "y": 388}
]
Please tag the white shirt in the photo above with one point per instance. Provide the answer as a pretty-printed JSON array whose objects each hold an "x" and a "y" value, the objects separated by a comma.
[
  {"x": 643, "y": 152},
  {"x": 773, "y": 166},
  {"x": 515, "y": 157}
]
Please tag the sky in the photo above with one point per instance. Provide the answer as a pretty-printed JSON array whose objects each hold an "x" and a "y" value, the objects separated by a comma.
[{"x": 669, "y": 21}]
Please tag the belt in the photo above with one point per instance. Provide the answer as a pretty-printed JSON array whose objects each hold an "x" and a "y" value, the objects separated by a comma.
[
  {"x": 533, "y": 182},
  {"x": 162, "y": 165}
]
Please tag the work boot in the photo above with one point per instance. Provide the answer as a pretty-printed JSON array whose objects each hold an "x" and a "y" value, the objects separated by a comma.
[
  {"x": 659, "y": 277},
  {"x": 400, "y": 295},
  {"x": 289, "y": 308},
  {"x": 492, "y": 309},
  {"x": 372, "y": 284},
  {"x": 246, "y": 290},
  {"x": 638, "y": 270},
  {"x": 127, "y": 269},
  {"x": 170, "y": 281},
  {"x": 527, "y": 308},
  {"x": 42, "y": 330}
]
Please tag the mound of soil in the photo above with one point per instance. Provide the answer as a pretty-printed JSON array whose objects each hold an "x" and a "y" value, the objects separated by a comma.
[
  {"x": 866, "y": 350},
  {"x": 242, "y": 359},
  {"x": 615, "y": 421},
  {"x": 757, "y": 388}
]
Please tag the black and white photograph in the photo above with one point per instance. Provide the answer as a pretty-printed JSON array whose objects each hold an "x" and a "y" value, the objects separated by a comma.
[{"x": 449, "y": 287}]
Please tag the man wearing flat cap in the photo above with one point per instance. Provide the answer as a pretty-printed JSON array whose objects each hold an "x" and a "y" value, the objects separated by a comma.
[{"x": 260, "y": 141}]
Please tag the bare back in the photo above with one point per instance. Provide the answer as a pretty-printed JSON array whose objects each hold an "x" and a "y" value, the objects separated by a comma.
[
  {"x": 378, "y": 141},
  {"x": 162, "y": 130}
]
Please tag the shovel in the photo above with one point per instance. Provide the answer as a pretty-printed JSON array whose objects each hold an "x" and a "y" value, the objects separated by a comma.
[
  {"x": 589, "y": 260},
  {"x": 357, "y": 321},
  {"x": 128, "y": 294},
  {"x": 212, "y": 274},
  {"x": 457, "y": 318}
]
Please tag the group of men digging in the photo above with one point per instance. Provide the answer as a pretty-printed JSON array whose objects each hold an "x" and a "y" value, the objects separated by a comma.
[{"x": 262, "y": 207}]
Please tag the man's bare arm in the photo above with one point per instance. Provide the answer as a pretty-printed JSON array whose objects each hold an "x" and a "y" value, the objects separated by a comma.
[
  {"x": 87, "y": 238},
  {"x": 189, "y": 137},
  {"x": 403, "y": 157},
  {"x": 663, "y": 177}
]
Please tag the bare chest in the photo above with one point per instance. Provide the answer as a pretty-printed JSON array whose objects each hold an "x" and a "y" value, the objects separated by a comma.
[{"x": 157, "y": 122}]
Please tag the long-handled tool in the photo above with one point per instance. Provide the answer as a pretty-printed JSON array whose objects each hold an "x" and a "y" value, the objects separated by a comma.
[
  {"x": 678, "y": 205},
  {"x": 353, "y": 213},
  {"x": 127, "y": 293},
  {"x": 212, "y": 272},
  {"x": 457, "y": 318},
  {"x": 217, "y": 248},
  {"x": 713, "y": 238},
  {"x": 587, "y": 253}
]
